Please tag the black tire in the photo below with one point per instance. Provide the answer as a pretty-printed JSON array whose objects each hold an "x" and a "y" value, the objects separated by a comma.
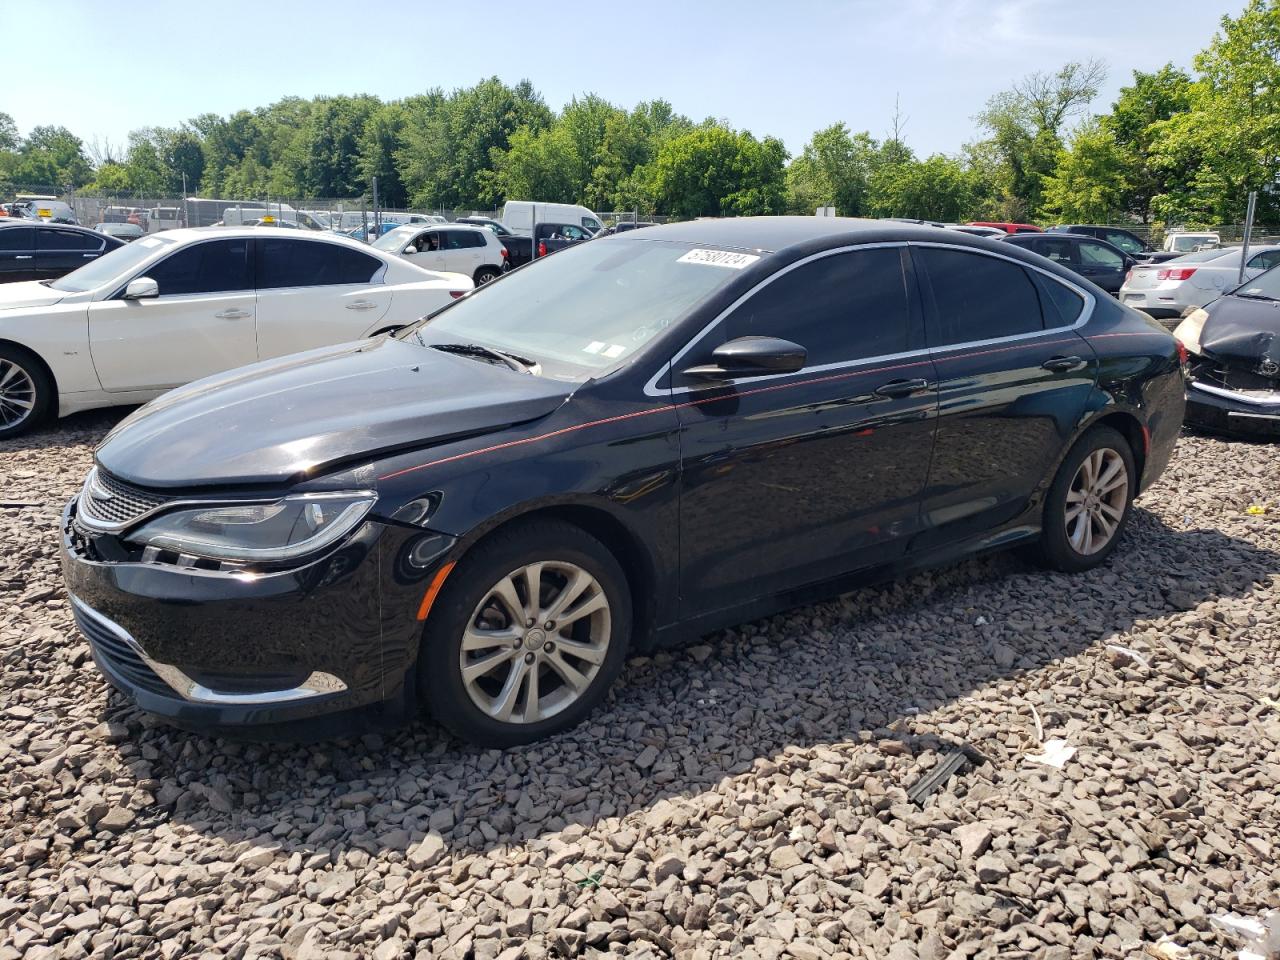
[
  {"x": 1054, "y": 549},
  {"x": 467, "y": 586},
  {"x": 17, "y": 368},
  {"x": 485, "y": 274}
]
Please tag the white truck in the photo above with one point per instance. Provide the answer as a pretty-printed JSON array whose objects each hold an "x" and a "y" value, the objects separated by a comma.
[{"x": 519, "y": 216}]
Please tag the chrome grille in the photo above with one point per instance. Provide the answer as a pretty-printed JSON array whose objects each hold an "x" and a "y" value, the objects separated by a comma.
[{"x": 107, "y": 501}]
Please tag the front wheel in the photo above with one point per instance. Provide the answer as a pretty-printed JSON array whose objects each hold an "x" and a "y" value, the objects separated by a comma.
[
  {"x": 1089, "y": 503},
  {"x": 26, "y": 393},
  {"x": 485, "y": 274},
  {"x": 527, "y": 636}
]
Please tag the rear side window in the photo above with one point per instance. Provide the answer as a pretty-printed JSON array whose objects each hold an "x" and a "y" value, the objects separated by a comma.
[
  {"x": 215, "y": 266},
  {"x": 1125, "y": 241},
  {"x": 978, "y": 297},
  {"x": 848, "y": 306},
  {"x": 1096, "y": 255},
  {"x": 68, "y": 240},
  {"x": 1054, "y": 248},
  {"x": 1062, "y": 305},
  {"x": 463, "y": 239},
  {"x": 309, "y": 263},
  {"x": 17, "y": 238}
]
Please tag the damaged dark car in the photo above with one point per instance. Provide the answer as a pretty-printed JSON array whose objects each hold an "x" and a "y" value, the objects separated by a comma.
[{"x": 1233, "y": 369}]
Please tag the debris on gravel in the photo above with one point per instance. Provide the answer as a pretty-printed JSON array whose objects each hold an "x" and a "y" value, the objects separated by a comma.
[{"x": 745, "y": 796}]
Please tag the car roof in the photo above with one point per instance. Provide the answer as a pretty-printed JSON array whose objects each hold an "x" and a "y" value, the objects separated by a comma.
[
  {"x": 24, "y": 222},
  {"x": 186, "y": 234},
  {"x": 776, "y": 234}
]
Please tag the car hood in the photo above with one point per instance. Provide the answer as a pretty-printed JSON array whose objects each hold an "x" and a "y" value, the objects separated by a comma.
[
  {"x": 283, "y": 420},
  {"x": 1242, "y": 331},
  {"x": 28, "y": 293}
]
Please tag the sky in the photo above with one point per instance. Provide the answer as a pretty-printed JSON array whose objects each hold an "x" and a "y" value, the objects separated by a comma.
[{"x": 784, "y": 68}]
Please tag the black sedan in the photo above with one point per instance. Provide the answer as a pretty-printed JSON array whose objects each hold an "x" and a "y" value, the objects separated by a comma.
[
  {"x": 1233, "y": 377},
  {"x": 1096, "y": 260},
  {"x": 35, "y": 250},
  {"x": 645, "y": 438}
]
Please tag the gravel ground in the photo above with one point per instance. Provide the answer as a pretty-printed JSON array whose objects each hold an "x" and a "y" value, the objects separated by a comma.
[{"x": 744, "y": 796}]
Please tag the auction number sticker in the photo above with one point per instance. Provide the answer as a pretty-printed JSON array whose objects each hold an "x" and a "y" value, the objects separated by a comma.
[{"x": 719, "y": 258}]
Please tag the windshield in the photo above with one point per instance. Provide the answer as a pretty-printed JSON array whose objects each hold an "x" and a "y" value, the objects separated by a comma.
[
  {"x": 393, "y": 240},
  {"x": 1265, "y": 286},
  {"x": 111, "y": 266},
  {"x": 1191, "y": 241},
  {"x": 585, "y": 309}
]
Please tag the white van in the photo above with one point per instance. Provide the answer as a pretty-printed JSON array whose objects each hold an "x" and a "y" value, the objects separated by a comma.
[
  {"x": 238, "y": 216},
  {"x": 163, "y": 218},
  {"x": 519, "y": 216}
]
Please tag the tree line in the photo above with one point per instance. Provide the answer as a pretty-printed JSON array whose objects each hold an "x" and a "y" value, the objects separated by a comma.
[{"x": 1176, "y": 146}]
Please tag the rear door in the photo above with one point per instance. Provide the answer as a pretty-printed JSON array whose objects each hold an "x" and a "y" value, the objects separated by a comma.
[
  {"x": 312, "y": 293},
  {"x": 1101, "y": 263},
  {"x": 201, "y": 323},
  {"x": 17, "y": 253},
  {"x": 1013, "y": 379},
  {"x": 59, "y": 251},
  {"x": 793, "y": 478},
  {"x": 463, "y": 251}
]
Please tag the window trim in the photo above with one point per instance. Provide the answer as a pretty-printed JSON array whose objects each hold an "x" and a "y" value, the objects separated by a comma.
[{"x": 651, "y": 388}]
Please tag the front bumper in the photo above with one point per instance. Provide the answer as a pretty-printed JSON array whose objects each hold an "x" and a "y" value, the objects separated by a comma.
[
  {"x": 1243, "y": 413},
  {"x": 232, "y": 649}
]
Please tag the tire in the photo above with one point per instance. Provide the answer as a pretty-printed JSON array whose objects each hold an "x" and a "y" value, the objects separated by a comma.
[
  {"x": 1071, "y": 545},
  {"x": 470, "y": 603},
  {"x": 485, "y": 274},
  {"x": 26, "y": 392}
]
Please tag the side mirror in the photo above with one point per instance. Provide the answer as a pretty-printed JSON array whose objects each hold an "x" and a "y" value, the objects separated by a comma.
[
  {"x": 143, "y": 288},
  {"x": 751, "y": 357}
]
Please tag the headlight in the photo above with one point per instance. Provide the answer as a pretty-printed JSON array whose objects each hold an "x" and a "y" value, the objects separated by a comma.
[
  {"x": 1188, "y": 331},
  {"x": 284, "y": 530}
]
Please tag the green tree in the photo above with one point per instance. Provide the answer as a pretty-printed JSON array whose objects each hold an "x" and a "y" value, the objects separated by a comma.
[
  {"x": 9, "y": 139},
  {"x": 937, "y": 188},
  {"x": 834, "y": 169},
  {"x": 52, "y": 157},
  {"x": 1026, "y": 124},
  {"x": 383, "y": 136},
  {"x": 715, "y": 171},
  {"x": 1091, "y": 181}
]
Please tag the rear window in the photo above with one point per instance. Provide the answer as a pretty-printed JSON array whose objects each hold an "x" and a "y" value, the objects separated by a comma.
[{"x": 978, "y": 297}]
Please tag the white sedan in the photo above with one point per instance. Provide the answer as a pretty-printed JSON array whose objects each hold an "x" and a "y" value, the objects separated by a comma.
[
  {"x": 1166, "y": 290},
  {"x": 180, "y": 305}
]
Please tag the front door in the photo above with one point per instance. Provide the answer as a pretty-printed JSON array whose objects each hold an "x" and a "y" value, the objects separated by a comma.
[
  {"x": 312, "y": 293},
  {"x": 426, "y": 250},
  {"x": 203, "y": 321},
  {"x": 17, "y": 254},
  {"x": 1013, "y": 380},
  {"x": 790, "y": 479}
]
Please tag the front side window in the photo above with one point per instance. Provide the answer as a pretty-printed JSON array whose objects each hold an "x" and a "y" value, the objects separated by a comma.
[
  {"x": 15, "y": 239},
  {"x": 592, "y": 224},
  {"x": 214, "y": 266},
  {"x": 1126, "y": 242},
  {"x": 978, "y": 297},
  {"x": 1096, "y": 255},
  {"x": 847, "y": 306},
  {"x": 311, "y": 263},
  {"x": 1264, "y": 261}
]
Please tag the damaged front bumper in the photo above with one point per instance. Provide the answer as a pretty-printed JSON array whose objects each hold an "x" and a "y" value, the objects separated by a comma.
[{"x": 1244, "y": 411}]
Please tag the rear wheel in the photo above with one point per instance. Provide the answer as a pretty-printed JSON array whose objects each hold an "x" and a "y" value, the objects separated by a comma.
[
  {"x": 1089, "y": 503},
  {"x": 526, "y": 637},
  {"x": 485, "y": 274},
  {"x": 26, "y": 392}
]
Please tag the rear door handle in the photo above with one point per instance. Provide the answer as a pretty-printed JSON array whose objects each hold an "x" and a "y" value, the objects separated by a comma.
[
  {"x": 232, "y": 314},
  {"x": 23, "y": 256},
  {"x": 901, "y": 388},
  {"x": 361, "y": 305},
  {"x": 1059, "y": 364},
  {"x": 88, "y": 256}
]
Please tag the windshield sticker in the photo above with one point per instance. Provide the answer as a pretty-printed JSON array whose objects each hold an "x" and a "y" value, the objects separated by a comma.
[
  {"x": 595, "y": 346},
  {"x": 615, "y": 350},
  {"x": 719, "y": 258}
]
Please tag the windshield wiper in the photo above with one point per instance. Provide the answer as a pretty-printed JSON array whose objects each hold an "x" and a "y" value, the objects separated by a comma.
[
  {"x": 519, "y": 364},
  {"x": 1255, "y": 296}
]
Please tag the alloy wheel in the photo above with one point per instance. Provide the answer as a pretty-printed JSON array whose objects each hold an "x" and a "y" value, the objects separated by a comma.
[
  {"x": 1096, "y": 501},
  {"x": 535, "y": 642},
  {"x": 17, "y": 394}
]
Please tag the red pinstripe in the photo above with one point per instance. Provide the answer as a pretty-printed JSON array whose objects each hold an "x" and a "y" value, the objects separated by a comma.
[{"x": 862, "y": 371}]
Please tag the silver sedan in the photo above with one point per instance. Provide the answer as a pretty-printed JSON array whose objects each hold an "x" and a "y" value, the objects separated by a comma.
[{"x": 1166, "y": 290}]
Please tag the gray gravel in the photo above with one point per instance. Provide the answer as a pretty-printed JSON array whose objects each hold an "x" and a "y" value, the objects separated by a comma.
[{"x": 744, "y": 796}]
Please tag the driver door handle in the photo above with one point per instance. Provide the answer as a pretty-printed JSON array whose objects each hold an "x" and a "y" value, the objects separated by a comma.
[
  {"x": 361, "y": 305},
  {"x": 1060, "y": 364},
  {"x": 232, "y": 314},
  {"x": 21, "y": 256},
  {"x": 901, "y": 388}
]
